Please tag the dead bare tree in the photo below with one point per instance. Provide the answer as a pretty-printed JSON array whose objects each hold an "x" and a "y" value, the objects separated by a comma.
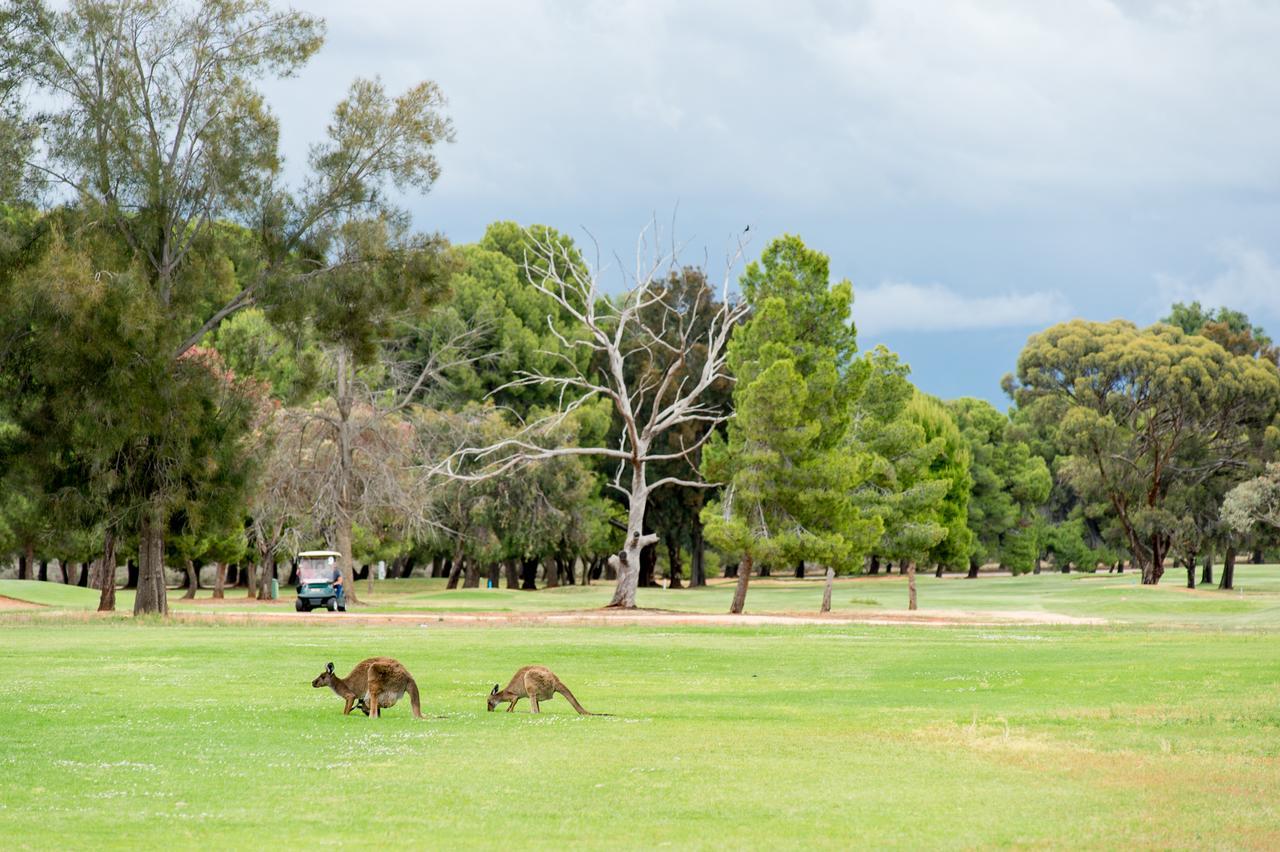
[{"x": 638, "y": 325}]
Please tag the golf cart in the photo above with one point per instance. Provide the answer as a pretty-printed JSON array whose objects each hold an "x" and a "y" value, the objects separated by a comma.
[{"x": 317, "y": 571}]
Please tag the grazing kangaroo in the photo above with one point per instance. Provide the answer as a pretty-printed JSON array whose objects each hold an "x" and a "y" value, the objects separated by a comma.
[
  {"x": 373, "y": 684},
  {"x": 537, "y": 683}
]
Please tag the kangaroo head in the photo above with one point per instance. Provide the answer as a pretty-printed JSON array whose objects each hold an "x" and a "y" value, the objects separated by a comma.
[
  {"x": 326, "y": 677},
  {"x": 493, "y": 698}
]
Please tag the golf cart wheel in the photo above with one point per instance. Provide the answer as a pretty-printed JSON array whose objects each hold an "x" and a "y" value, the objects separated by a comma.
[
  {"x": 331, "y": 605},
  {"x": 300, "y": 605}
]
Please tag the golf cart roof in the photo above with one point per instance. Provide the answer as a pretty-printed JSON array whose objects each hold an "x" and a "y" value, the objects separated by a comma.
[{"x": 318, "y": 554}]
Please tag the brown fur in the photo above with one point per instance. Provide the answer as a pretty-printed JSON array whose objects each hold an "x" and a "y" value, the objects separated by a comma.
[
  {"x": 373, "y": 684},
  {"x": 537, "y": 683}
]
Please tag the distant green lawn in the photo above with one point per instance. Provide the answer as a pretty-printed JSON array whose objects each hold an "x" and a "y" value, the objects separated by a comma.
[
  {"x": 1119, "y": 598},
  {"x": 124, "y": 734}
]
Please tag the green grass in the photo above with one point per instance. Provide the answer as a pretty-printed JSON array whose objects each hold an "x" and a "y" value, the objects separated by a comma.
[
  {"x": 1118, "y": 598},
  {"x": 142, "y": 734}
]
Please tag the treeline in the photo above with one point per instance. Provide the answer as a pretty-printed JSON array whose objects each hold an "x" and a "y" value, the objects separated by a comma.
[{"x": 202, "y": 363}]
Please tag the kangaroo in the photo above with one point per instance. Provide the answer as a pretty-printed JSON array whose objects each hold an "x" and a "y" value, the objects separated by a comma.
[
  {"x": 537, "y": 683},
  {"x": 373, "y": 684}
]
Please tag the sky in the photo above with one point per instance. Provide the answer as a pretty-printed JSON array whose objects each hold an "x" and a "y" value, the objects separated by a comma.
[{"x": 978, "y": 170}]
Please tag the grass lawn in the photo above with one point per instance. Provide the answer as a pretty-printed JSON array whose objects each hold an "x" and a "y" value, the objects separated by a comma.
[
  {"x": 154, "y": 735},
  {"x": 1118, "y": 598}
]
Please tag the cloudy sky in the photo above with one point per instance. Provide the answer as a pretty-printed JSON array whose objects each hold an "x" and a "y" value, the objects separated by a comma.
[{"x": 978, "y": 170}]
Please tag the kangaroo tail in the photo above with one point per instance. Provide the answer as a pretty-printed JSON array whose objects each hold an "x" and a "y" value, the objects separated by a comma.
[
  {"x": 415, "y": 701},
  {"x": 564, "y": 690}
]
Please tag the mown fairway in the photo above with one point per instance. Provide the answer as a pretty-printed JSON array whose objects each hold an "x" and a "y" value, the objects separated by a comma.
[
  {"x": 1255, "y": 602},
  {"x": 126, "y": 734}
]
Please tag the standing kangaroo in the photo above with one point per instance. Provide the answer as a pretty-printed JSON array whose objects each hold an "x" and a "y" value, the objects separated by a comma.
[
  {"x": 373, "y": 684},
  {"x": 537, "y": 683}
]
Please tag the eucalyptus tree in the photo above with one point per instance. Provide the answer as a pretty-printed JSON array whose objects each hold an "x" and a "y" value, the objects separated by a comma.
[
  {"x": 1255, "y": 503},
  {"x": 788, "y": 479},
  {"x": 1143, "y": 413},
  {"x": 613, "y": 334},
  {"x": 1250, "y": 511},
  {"x": 158, "y": 130},
  {"x": 1230, "y": 329}
]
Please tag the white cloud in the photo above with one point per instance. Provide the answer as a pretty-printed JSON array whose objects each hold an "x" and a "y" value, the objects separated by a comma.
[
  {"x": 1249, "y": 281},
  {"x": 900, "y": 306}
]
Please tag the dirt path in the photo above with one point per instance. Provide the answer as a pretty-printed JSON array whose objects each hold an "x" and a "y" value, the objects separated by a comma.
[
  {"x": 647, "y": 618},
  {"x": 11, "y": 603}
]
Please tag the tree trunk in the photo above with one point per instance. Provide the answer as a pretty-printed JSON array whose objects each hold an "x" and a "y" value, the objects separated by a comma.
[
  {"x": 1036, "y": 570},
  {"x": 553, "y": 566},
  {"x": 27, "y": 565},
  {"x": 455, "y": 566},
  {"x": 698, "y": 568},
  {"x": 512, "y": 575},
  {"x": 343, "y": 536},
  {"x": 675, "y": 568},
  {"x": 1191, "y": 572},
  {"x": 406, "y": 571},
  {"x": 610, "y": 571},
  {"x": 1228, "y": 568},
  {"x": 731, "y": 569},
  {"x": 529, "y": 574},
  {"x": 293, "y": 573},
  {"x": 1258, "y": 556},
  {"x": 495, "y": 571},
  {"x": 740, "y": 590},
  {"x": 764, "y": 570},
  {"x": 191, "y": 581},
  {"x": 973, "y": 568},
  {"x": 251, "y": 569},
  {"x": 152, "y": 596},
  {"x": 938, "y": 572},
  {"x": 62, "y": 568},
  {"x": 826, "y": 592},
  {"x": 43, "y": 576},
  {"x": 648, "y": 565},
  {"x": 267, "y": 574},
  {"x": 106, "y": 577},
  {"x": 624, "y": 594},
  {"x": 233, "y": 575},
  {"x": 874, "y": 567},
  {"x": 911, "y": 584},
  {"x": 1120, "y": 567},
  {"x": 472, "y": 577},
  {"x": 83, "y": 581},
  {"x": 800, "y": 571},
  {"x": 1153, "y": 565},
  {"x": 219, "y": 580}
]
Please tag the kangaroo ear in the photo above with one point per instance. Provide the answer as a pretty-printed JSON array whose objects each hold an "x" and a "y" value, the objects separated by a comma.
[
  {"x": 495, "y": 690},
  {"x": 329, "y": 668}
]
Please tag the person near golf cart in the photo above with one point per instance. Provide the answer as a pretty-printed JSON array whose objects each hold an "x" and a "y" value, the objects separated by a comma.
[{"x": 320, "y": 582}]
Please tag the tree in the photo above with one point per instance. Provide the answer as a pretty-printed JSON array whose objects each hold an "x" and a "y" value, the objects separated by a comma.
[
  {"x": 787, "y": 479},
  {"x": 1229, "y": 328},
  {"x": 614, "y": 332},
  {"x": 1254, "y": 503},
  {"x": 1009, "y": 484},
  {"x": 1142, "y": 413},
  {"x": 160, "y": 134}
]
